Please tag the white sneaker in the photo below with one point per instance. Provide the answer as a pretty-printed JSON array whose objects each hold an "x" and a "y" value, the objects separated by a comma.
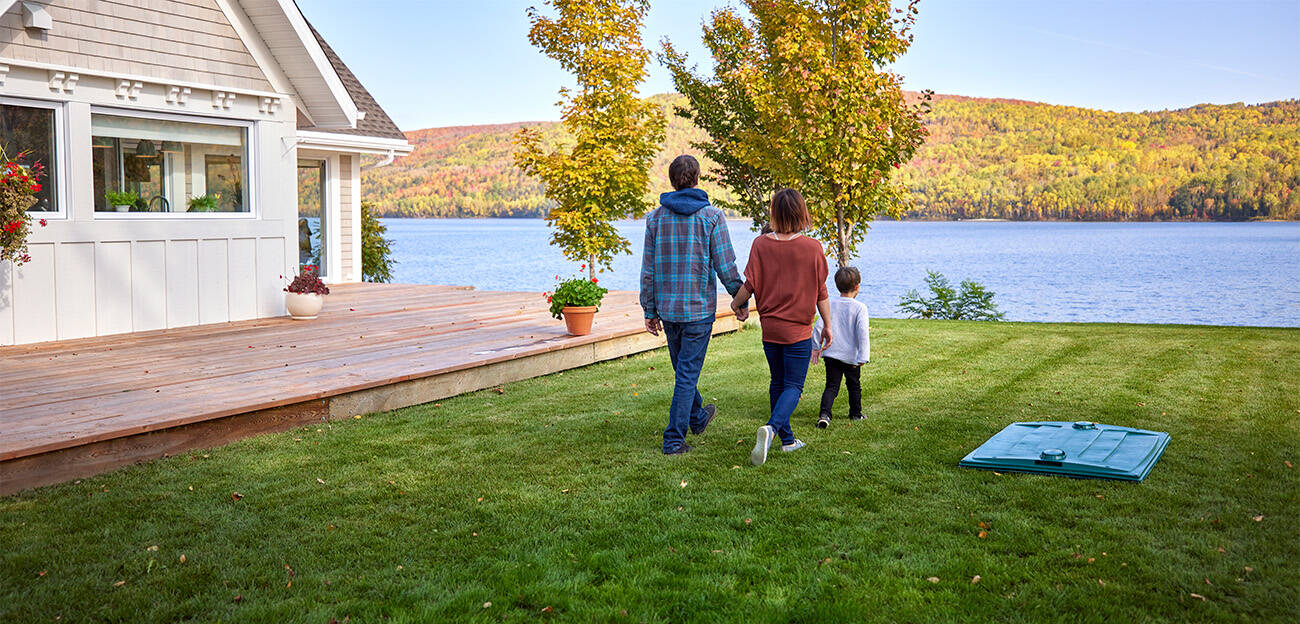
[
  {"x": 764, "y": 442},
  {"x": 798, "y": 444}
]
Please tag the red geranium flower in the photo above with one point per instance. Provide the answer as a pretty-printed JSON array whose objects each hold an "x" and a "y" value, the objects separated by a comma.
[
  {"x": 43, "y": 224},
  {"x": 595, "y": 281}
]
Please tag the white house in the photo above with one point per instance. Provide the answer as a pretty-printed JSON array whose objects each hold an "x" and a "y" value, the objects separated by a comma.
[{"x": 236, "y": 125}]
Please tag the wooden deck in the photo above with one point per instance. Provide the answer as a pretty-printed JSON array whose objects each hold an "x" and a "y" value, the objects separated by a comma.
[{"x": 70, "y": 409}]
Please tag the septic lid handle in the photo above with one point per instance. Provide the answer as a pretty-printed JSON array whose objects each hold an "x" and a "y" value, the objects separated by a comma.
[
  {"x": 1052, "y": 454},
  {"x": 1085, "y": 424}
]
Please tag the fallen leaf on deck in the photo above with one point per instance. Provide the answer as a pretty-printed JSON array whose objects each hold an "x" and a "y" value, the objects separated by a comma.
[
  {"x": 933, "y": 579},
  {"x": 1202, "y": 598},
  {"x": 975, "y": 579}
]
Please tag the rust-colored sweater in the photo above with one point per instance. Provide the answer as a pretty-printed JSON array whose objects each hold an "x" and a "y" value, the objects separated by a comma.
[{"x": 787, "y": 278}]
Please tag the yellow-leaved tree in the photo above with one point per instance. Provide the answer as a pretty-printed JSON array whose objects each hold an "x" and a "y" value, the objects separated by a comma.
[
  {"x": 822, "y": 111},
  {"x": 601, "y": 172}
]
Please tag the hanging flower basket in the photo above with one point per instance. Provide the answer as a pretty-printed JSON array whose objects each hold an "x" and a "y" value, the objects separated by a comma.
[{"x": 19, "y": 185}]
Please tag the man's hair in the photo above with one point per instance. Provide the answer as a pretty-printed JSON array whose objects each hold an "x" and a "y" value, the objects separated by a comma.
[
  {"x": 684, "y": 172},
  {"x": 789, "y": 212},
  {"x": 847, "y": 278}
]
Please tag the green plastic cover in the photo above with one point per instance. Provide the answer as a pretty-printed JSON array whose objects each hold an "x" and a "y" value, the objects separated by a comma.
[{"x": 1074, "y": 449}]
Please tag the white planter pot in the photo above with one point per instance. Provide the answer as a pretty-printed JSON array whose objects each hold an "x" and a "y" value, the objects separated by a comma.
[
  {"x": 123, "y": 208},
  {"x": 303, "y": 306}
]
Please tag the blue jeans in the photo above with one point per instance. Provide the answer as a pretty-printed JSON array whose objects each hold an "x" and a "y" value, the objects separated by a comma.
[
  {"x": 789, "y": 366},
  {"x": 687, "y": 344}
]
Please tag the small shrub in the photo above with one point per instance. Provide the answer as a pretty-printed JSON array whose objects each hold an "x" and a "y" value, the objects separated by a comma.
[
  {"x": 376, "y": 265},
  {"x": 973, "y": 302},
  {"x": 19, "y": 185},
  {"x": 575, "y": 291}
]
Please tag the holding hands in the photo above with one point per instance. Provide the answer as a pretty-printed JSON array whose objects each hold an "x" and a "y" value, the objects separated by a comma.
[{"x": 740, "y": 304}]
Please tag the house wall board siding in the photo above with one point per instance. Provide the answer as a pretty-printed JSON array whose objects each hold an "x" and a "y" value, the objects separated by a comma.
[
  {"x": 182, "y": 283},
  {"x": 347, "y": 236},
  {"x": 74, "y": 266},
  {"x": 242, "y": 261},
  {"x": 6, "y": 305},
  {"x": 270, "y": 287},
  {"x": 113, "y": 287},
  {"x": 148, "y": 285},
  {"x": 214, "y": 281},
  {"x": 189, "y": 41},
  {"x": 33, "y": 300}
]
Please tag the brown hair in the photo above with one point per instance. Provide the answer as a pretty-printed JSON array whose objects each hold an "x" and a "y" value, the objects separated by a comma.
[
  {"x": 847, "y": 278},
  {"x": 684, "y": 172},
  {"x": 789, "y": 212}
]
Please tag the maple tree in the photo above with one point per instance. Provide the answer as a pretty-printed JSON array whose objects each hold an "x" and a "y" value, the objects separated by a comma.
[{"x": 600, "y": 173}]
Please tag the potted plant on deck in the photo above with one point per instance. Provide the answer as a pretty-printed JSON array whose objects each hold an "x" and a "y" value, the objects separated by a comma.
[
  {"x": 576, "y": 300},
  {"x": 305, "y": 295}
]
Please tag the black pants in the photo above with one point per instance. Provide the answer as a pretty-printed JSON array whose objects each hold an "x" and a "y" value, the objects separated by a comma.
[{"x": 834, "y": 370}]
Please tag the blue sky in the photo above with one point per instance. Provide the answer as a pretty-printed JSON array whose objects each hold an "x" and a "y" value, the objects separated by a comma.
[{"x": 460, "y": 62}]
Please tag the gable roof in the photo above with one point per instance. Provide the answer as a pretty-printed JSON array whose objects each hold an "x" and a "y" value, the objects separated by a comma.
[{"x": 373, "y": 122}]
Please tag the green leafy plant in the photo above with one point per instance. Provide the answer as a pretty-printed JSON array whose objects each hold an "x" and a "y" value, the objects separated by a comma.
[
  {"x": 575, "y": 291},
  {"x": 376, "y": 265},
  {"x": 601, "y": 173},
  {"x": 204, "y": 203},
  {"x": 125, "y": 198},
  {"x": 973, "y": 302}
]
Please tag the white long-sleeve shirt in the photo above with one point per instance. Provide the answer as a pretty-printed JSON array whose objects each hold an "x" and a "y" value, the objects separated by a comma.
[{"x": 850, "y": 331}]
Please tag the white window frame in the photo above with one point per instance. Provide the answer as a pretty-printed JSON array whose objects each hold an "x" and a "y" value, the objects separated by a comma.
[
  {"x": 250, "y": 149},
  {"x": 61, "y": 143}
]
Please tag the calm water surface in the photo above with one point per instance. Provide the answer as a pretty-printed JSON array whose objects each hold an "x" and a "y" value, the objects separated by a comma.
[{"x": 1201, "y": 273}]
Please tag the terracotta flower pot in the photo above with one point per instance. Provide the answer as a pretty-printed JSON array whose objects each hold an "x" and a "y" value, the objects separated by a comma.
[
  {"x": 303, "y": 306},
  {"x": 578, "y": 319}
]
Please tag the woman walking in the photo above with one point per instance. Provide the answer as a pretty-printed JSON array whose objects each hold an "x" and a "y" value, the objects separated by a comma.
[{"x": 786, "y": 273}]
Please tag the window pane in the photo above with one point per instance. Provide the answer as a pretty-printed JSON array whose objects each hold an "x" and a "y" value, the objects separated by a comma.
[
  {"x": 31, "y": 130},
  {"x": 168, "y": 166},
  {"x": 313, "y": 240}
]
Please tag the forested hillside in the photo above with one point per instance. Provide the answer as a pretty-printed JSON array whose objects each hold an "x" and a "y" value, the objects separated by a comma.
[{"x": 985, "y": 158}]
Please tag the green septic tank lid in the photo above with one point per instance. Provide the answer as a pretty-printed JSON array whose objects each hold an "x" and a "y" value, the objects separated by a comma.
[{"x": 1080, "y": 449}]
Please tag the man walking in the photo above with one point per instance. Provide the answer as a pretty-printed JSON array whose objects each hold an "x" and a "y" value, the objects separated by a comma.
[{"x": 686, "y": 244}]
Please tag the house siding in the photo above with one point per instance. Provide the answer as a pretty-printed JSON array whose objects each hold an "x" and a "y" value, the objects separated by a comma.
[
  {"x": 179, "y": 40},
  {"x": 347, "y": 234}
]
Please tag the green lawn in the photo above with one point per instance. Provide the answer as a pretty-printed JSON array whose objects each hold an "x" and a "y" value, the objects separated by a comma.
[{"x": 552, "y": 500}]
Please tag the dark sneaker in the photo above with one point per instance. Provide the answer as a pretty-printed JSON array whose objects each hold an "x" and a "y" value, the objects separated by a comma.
[
  {"x": 858, "y": 417},
  {"x": 681, "y": 450},
  {"x": 710, "y": 411},
  {"x": 824, "y": 421}
]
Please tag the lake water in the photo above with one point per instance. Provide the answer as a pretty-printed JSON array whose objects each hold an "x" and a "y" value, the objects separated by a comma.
[{"x": 1199, "y": 273}]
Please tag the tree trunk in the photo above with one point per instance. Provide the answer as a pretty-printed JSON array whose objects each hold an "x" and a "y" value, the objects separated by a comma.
[
  {"x": 841, "y": 237},
  {"x": 591, "y": 266}
]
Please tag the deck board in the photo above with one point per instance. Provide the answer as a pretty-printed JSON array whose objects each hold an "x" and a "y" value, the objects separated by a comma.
[{"x": 67, "y": 394}]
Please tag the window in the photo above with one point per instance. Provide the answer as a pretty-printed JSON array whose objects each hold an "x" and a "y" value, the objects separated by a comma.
[
  {"x": 162, "y": 166},
  {"x": 313, "y": 240},
  {"x": 31, "y": 130}
]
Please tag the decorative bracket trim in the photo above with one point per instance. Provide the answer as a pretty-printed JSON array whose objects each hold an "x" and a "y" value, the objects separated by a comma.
[
  {"x": 222, "y": 99},
  {"x": 129, "y": 89},
  {"x": 4, "y": 73},
  {"x": 268, "y": 105},
  {"x": 61, "y": 81},
  {"x": 179, "y": 96}
]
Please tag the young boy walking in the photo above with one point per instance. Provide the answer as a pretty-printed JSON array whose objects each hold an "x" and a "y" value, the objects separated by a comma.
[{"x": 851, "y": 349}]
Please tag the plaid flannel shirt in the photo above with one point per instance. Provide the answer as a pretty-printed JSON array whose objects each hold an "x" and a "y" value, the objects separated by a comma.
[{"x": 682, "y": 254}]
